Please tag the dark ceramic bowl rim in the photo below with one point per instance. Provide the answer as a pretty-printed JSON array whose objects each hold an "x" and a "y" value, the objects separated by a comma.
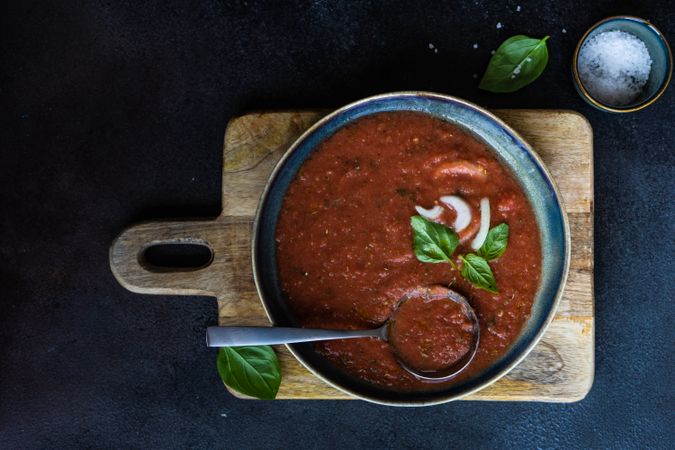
[
  {"x": 431, "y": 398},
  {"x": 602, "y": 106}
]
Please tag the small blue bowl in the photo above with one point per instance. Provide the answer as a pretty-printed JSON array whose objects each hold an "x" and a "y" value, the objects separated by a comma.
[
  {"x": 659, "y": 50},
  {"x": 513, "y": 152}
]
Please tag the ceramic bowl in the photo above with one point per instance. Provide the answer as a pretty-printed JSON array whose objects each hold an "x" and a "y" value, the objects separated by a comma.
[
  {"x": 659, "y": 50},
  {"x": 513, "y": 152}
]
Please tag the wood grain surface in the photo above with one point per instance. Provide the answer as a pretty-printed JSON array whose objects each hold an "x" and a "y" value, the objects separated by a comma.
[{"x": 559, "y": 369}]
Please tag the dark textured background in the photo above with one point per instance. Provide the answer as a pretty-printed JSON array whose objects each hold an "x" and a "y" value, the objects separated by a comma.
[{"x": 114, "y": 111}]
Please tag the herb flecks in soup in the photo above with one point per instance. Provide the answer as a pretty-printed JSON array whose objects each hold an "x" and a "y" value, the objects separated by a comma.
[
  {"x": 431, "y": 334},
  {"x": 344, "y": 238}
]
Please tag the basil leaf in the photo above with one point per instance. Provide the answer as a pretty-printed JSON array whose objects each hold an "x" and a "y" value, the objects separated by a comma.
[
  {"x": 432, "y": 242},
  {"x": 252, "y": 371},
  {"x": 495, "y": 242},
  {"x": 516, "y": 63},
  {"x": 476, "y": 271}
]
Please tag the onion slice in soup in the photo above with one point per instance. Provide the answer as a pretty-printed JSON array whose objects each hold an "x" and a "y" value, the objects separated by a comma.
[
  {"x": 484, "y": 224},
  {"x": 431, "y": 214},
  {"x": 461, "y": 208}
]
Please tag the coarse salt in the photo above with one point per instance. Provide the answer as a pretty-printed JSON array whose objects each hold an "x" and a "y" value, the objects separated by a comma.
[
  {"x": 499, "y": 25},
  {"x": 614, "y": 67}
]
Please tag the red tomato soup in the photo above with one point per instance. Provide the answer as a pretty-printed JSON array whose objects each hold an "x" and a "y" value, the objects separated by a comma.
[
  {"x": 344, "y": 240},
  {"x": 430, "y": 334}
]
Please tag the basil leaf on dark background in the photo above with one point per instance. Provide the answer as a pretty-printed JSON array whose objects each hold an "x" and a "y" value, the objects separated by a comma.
[
  {"x": 495, "y": 243},
  {"x": 253, "y": 371},
  {"x": 432, "y": 242},
  {"x": 516, "y": 63},
  {"x": 476, "y": 271}
]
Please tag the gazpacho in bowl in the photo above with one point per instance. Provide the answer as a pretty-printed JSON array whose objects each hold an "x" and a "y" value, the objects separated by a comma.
[{"x": 400, "y": 191}]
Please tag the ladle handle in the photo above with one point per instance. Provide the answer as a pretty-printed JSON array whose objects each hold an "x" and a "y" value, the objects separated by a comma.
[{"x": 241, "y": 336}]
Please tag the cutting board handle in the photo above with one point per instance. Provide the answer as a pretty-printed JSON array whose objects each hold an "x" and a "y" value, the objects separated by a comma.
[{"x": 133, "y": 271}]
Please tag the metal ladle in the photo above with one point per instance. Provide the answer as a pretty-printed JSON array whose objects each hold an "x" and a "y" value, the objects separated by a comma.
[{"x": 243, "y": 336}]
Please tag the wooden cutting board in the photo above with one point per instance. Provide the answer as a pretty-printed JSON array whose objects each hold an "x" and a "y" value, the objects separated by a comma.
[{"x": 559, "y": 369}]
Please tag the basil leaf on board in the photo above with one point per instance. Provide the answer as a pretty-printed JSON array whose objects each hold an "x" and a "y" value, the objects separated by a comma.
[
  {"x": 253, "y": 371},
  {"x": 432, "y": 242},
  {"x": 516, "y": 63},
  {"x": 495, "y": 242},
  {"x": 476, "y": 271}
]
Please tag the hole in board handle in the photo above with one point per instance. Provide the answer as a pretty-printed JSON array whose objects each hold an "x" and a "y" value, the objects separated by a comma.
[{"x": 175, "y": 256}]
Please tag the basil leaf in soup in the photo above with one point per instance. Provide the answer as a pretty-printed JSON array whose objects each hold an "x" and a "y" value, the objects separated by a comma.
[
  {"x": 253, "y": 371},
  {"x": 516, "y": 63},
  {"x": 495, "y": 243},
  {"x": 432, "y": 242},
  {"x": 476, "y": 271}
]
